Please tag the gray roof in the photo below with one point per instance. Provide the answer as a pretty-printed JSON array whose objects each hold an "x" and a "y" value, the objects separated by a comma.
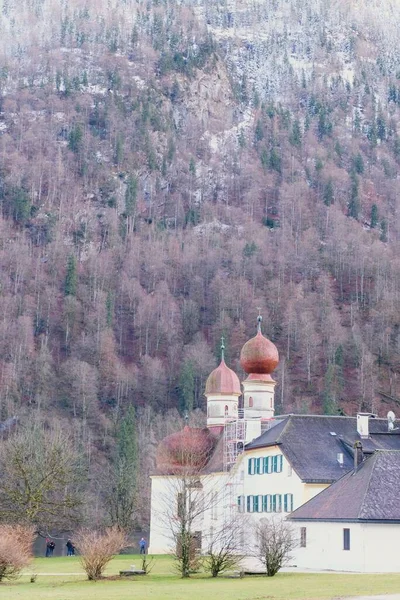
[
  {"x": 311, "y": 443},
  {"x": 369, "y": 493}
]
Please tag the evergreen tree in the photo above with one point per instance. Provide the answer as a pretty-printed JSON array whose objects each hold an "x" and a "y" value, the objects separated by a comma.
[
  {"x": 354, "y": 203},
  {"x": 71, "y": 277},
  {"x": 130, "y": 195},
  {"x": 186, "y": 387},
  {"x": 75, "y": 138},
  {"x": 328, "y": 193},
  {"x": 374, "y": 216},
  {"x": 358, "y": 164},
  {"x": 295, "y": 137},
  {"x": 121, "y": 497}
]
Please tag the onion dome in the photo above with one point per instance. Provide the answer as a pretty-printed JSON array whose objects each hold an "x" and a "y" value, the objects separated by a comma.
[
  {"x": 259, "y": 355},
  {"x": 223, "y": 380},
  {"x": 187, "y": 451}
]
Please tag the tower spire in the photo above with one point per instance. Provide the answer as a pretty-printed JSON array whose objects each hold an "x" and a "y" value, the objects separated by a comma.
[
  {"x": 222, "y": 348},
  {"x": 259, "y": 320}
]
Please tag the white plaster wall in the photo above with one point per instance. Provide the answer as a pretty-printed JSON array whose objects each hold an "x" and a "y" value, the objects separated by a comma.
[
  {"x": 262, "y": 394},
  {"x": 286, "y": 482},
  {"x": 217, "y": 499},
  {"x": 373, "y": 547}
]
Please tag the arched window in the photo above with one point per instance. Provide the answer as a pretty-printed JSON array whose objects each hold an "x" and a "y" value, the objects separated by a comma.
[
  {"x": 250, "y": 401},
  {"x": 226, "y": 410}
]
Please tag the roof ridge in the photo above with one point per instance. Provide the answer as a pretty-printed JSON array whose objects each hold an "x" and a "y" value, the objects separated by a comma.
[
  {"x": 372, "y": 458},
  {"x": 278, "y": 439}
]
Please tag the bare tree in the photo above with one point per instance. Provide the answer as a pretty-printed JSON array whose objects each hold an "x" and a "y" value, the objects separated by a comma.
[
  {"x": 40, "y": 478},
  {"x": 224, "y": 551},
  {"x": 97, "y": 549},
  {"x": 274, "y": 542},
  {"x": 188, "y": 495}
]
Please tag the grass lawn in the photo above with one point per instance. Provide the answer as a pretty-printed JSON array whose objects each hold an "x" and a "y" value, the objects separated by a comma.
[{"x": 62, "y": 579}]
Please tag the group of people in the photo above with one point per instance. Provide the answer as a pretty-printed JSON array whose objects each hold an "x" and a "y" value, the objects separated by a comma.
[{"x": 50, "y": 545}]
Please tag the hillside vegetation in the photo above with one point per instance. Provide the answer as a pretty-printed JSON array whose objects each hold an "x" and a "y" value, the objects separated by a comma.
[{"x": 167, "y": 168}]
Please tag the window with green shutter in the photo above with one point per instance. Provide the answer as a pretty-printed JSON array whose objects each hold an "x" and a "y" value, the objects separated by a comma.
[
  {"x": 250, "y": 503},
  {"x": 276, "y": 503},
  {"x": 288, "y": 502},
  {"x": 259, "y": 466},
  {"x": 267, "y": 503}
]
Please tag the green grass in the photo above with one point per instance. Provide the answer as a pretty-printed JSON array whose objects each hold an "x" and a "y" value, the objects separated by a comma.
[{"x": 164, "y": 584}]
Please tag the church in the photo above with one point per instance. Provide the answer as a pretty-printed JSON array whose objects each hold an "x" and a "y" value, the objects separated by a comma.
[{"x": 249, "y": 464}]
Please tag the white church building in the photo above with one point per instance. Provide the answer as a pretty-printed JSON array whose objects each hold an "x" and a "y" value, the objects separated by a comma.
[{"x": 249, "y": 464}]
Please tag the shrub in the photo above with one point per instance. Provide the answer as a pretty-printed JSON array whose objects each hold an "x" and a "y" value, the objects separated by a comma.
[
  {"x": 96, "y": 549},
  {"x": 15, "y": 549}
]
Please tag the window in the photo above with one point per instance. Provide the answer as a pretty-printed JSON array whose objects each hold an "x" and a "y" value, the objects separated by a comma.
[
  {"x": 267, "y": 503},
  {"x": 240, "y": 503},
  {"x": 250, "y": 504},
  {"x": 260, "y": 503},
  {"x": 250, "y": 402},
  {"x": 346, "y": 539},
  {"x": 259, "y": 466},
  {"x": 303, "y": 537},
  {"x": 251, "y": 466},
  {"x": 267, "y": 464},
  {"x": 288, "y": 502},
  {"x": 255, "y": 503},
  {"x": 277, "y": 463},
  {"x": 226, "y": 410},
  {"x": 276, "y": 503}
]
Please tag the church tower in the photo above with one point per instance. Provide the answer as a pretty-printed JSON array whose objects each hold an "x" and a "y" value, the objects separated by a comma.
[
  {"x": 222, "y": 393},
  {"x": 259, "y": 357}
]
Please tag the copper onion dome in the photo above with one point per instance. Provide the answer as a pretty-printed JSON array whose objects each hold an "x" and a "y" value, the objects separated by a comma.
[
  {"x": 223, "y": 380},
  {"x": 259, "y": 355}
]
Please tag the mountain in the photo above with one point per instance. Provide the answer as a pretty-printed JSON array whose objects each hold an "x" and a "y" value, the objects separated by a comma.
[{"x": 167, "y": 168}]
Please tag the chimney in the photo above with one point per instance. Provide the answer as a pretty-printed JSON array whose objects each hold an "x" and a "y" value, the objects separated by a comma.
[
  {"x": 363, "y": 425},
  {"x": 358, "y": 454}
]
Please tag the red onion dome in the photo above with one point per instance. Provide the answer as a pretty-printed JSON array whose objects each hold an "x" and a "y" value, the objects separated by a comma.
[
  {"x": 259, "y": 355},
  {"x": 187, "y": 450},
  {"x": 223, "y": 381}
]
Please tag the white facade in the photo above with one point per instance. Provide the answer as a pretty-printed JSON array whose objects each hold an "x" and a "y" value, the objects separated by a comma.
[
  {"x": 221, "y": 407},
  {"x": 373, "y": 547},
  {"x": 214, "y": 497},
  {"x": 258, "y": 398}
]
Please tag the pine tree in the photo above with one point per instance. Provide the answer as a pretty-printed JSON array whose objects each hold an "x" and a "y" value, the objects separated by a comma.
[
  {"x": 374, "y": 216},
  {"x": 130, "y": 195},
  {"x": 186, "y": 387},
  {"x": 354, "y": 203},
  {"x": 328, "y": 193},
  {"x": 71, "y": 277},
  {"x": 121, "y": 500}
]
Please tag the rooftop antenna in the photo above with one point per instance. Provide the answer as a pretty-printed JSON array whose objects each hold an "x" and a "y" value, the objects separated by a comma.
[
  {"x": 391, "y": 417},
  {"x": 222, "y": 348},
  {"x": 259, "y": 320}
]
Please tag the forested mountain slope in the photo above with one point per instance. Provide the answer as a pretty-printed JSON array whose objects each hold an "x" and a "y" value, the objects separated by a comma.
[{"x": 168, "y": 167}]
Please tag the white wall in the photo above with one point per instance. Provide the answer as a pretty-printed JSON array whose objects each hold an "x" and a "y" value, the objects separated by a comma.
[
  {"x": 217, "y": 499},
  {"x": 373, "y": 547}
]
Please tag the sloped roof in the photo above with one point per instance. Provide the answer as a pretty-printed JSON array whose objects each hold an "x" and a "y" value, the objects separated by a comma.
[
  {"x": 311, "y": 443},
  {"x": 369, "y": 493}
]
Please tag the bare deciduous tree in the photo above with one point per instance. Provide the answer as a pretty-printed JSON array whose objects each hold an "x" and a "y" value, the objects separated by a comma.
[
  {"x": 224, "y": 551},
  {"x": 274, "y": 542},
  {"x": 40, "y": 478}
]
